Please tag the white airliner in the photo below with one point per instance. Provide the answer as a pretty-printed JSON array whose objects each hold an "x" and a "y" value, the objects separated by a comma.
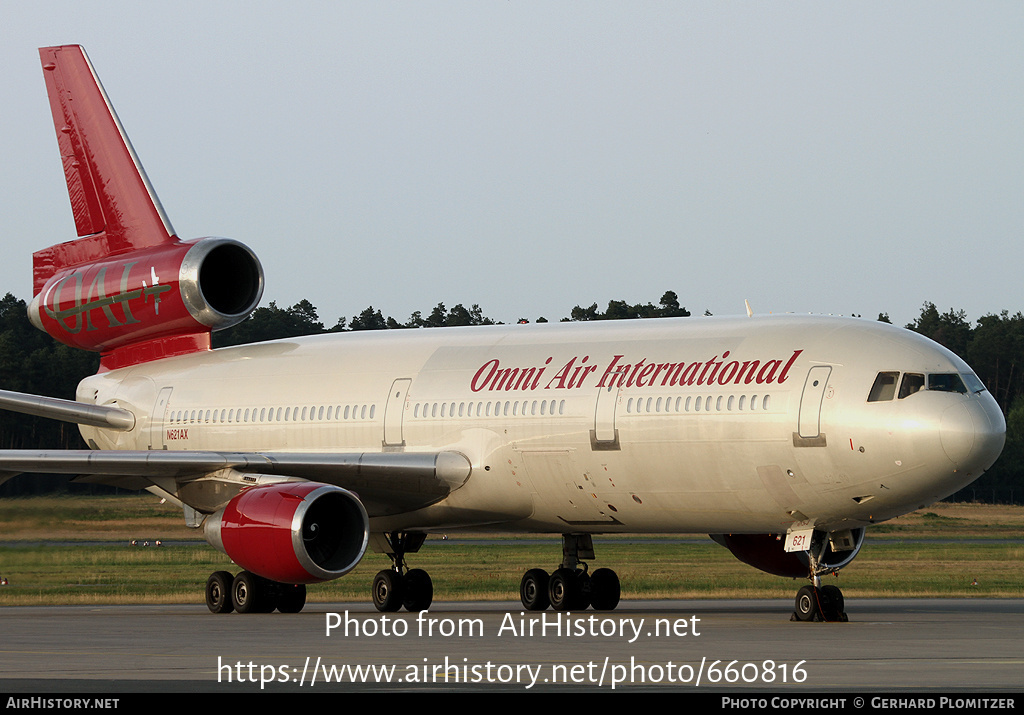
[{"x": 781, "y": 437}]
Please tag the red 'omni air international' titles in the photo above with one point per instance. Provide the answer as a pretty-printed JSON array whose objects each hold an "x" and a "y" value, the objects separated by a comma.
[{"x": 492, "y": 376}]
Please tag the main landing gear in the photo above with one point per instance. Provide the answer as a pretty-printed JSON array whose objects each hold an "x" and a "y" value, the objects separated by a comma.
[
  {"x": 249, "y": 593},
  {"x": 401, "y": 586},
  {"x": 816, "y": 602},
  {"x": 571, "y": 587}
]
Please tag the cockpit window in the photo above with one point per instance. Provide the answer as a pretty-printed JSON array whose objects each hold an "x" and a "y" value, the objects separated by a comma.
[
  {"x": 884, "y": 387},
  {"x": 912, "y": 382},
  {"x": 950, "y": 382},
  {"x": 973, "y": 383}
]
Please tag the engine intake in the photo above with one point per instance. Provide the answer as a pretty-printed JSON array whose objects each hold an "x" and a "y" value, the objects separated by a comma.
[
  {"x": 221, "y": 282},
  {"x": 292, "y": 532}
]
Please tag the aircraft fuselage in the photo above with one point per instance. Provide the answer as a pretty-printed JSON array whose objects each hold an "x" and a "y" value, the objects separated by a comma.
[{"x": 699, "y": 425}]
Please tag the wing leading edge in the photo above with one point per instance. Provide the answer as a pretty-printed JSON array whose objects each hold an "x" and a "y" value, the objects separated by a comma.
[{"x": 386, "y": 482}]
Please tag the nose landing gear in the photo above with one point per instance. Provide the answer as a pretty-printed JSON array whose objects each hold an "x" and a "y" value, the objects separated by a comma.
[{"x": 816, "y": 602}]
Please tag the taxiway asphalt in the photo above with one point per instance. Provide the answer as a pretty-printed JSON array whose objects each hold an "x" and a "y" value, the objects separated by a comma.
[{"x": 888, "y": 645}]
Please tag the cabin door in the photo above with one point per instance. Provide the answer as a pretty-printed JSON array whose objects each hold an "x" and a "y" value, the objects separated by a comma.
[
  {"x": 158, "y": 423},
  {"x": 605, "y": 435},
  {"x": 394, "y": 413},
  {"x": 810, "y": 401}
]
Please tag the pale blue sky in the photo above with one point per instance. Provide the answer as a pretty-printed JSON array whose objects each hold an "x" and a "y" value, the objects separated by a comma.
[{"x": 809, "y": 157}]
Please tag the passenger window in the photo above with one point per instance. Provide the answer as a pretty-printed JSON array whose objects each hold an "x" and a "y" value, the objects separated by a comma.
[
  {"x": 912, "y": 382},
  {"x": 884, "y": 387}
]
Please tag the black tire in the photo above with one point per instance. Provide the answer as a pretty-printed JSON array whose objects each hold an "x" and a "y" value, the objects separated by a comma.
[
  {"x": 419, "y": 591},
  {"x": 806, "y": 607},
  {"x": 833, "y": 605},
  {"x": 583, "y": 595},
  {"x": 564, "y": 590},
  {"x": 533, "y": 590},
  {"x": 247, "y": 593},
  {"x": 218, "y": 592},
  {"x": 291, "y": 598},
  {"x": 387, "y": 591},
  {"x": 604, "y": 590}
]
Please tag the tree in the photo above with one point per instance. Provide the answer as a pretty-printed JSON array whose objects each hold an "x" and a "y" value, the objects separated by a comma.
[
  {"x": 272, "y": 323},
  {"x": 950, "y": 329},
  {"x": 369, "y": 319},
  {"x": 621, "y": 310}
]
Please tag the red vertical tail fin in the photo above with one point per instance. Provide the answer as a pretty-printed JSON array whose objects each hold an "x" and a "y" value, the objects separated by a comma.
[{"x": 115, "y": 208}]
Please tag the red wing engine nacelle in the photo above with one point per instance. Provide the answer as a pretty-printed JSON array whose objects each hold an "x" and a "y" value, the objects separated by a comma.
[{"x": 292, "y": 532}]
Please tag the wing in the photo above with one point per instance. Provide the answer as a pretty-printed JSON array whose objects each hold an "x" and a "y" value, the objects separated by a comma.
[{"x": 386, "y": 482}]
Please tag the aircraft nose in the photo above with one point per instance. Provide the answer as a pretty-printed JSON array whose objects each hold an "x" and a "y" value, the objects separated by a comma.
[{"x": 972, "y": 433}]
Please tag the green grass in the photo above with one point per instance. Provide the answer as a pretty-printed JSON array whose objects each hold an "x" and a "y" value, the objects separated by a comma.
[
  {"x": 176, "y": 574},
  {"x": 903, "y": 560}
]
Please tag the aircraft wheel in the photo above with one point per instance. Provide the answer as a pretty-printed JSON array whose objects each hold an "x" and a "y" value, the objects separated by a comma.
[
  {"x": 533, "y": 590},
  {"x": 583, "y": 593},
  {"x": 248, "y": 593},
  {"x": 291, "y": 598},
  {"x": 218, "y": 592},
  {"x": 418, "y": 591},
  {"x": 564, "y": 589},
  {"x": 387, "y": 591},
  {"x": 604, "y": 590},
  {"x": 833, "y": 605},
  {"x": 806, "y": 603}
]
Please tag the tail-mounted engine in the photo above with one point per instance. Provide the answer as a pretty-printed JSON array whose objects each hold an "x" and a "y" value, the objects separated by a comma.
[
  {"x": 127, "y": 287},
  {"x": 292, "y": 532},
  {"x": 767, "y": 552},
  {"x": 150, "y": 303}
]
